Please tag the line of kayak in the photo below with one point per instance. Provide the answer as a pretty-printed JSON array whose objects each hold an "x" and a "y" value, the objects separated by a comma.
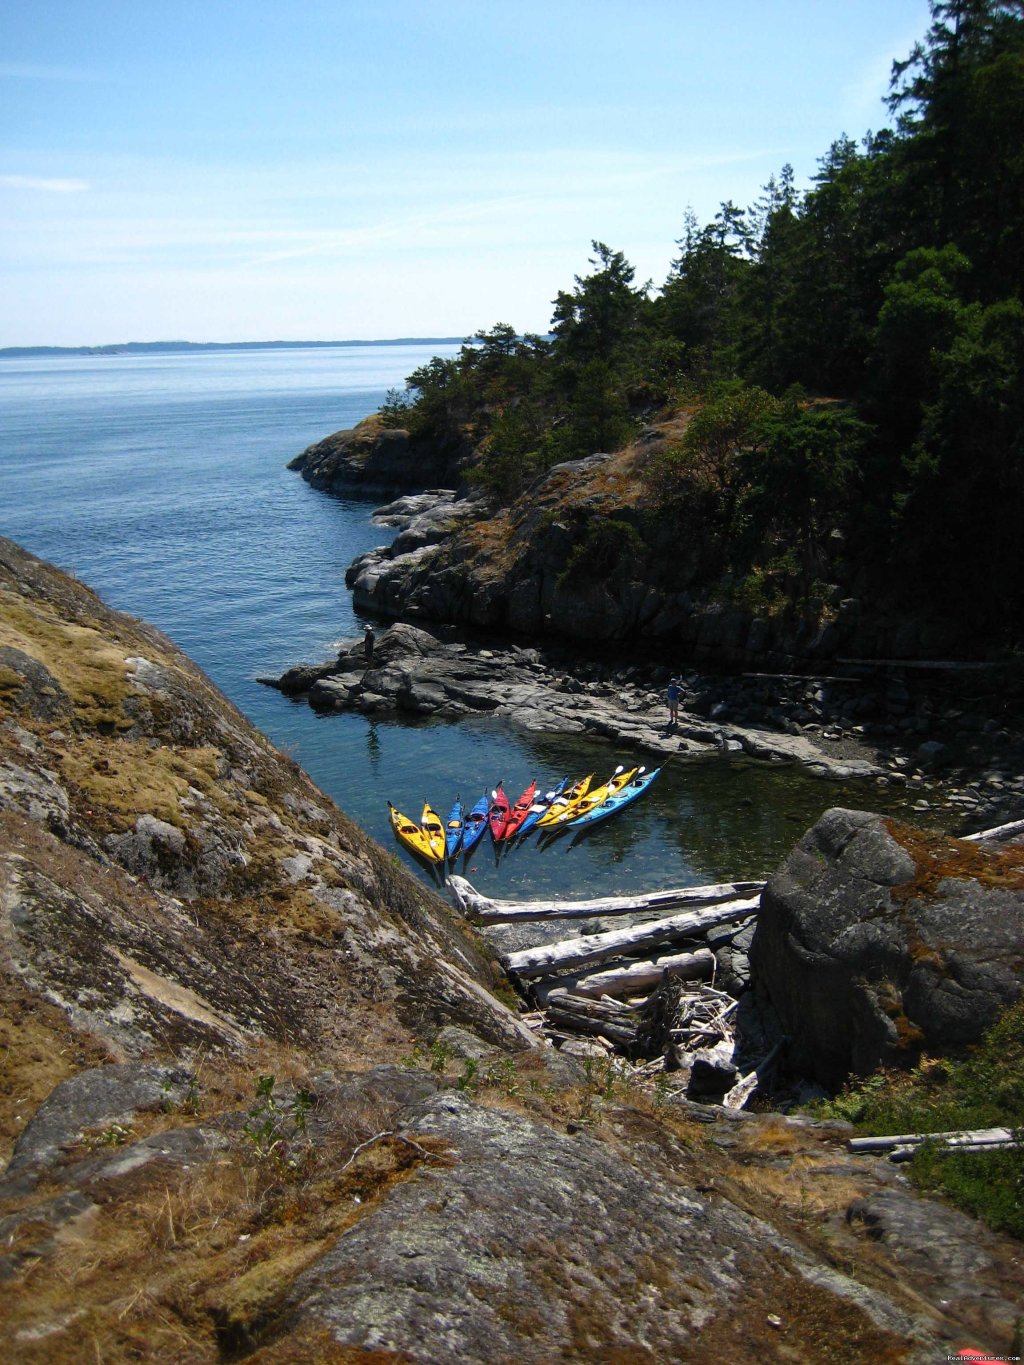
[{"x": 573, "y": 804}]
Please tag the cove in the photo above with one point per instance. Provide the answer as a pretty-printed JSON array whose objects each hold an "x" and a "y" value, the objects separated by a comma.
[{"x": 160, "y": 481}]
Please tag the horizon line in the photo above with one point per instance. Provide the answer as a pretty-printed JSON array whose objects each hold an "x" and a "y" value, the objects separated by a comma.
[{"x": 114, "y": 347}]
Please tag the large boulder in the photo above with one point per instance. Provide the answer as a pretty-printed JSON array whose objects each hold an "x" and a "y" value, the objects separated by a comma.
[{"x": 877, "y": 942}]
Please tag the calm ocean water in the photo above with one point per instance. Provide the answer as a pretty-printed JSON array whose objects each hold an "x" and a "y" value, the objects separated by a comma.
[{"x": 160, "y": 481}]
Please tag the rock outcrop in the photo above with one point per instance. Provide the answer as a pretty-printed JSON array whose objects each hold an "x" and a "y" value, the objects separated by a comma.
[
  {"x": 417, "y": 672},
  {"x": 261, "y": 1102},
  {"x": 116, "y": 750},
  {"x": 876, "y": 942},
  {"x": 372, "y": 459},
  {"x": 587, "y": 553}
]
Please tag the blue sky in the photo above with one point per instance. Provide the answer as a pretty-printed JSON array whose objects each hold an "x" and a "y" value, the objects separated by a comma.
[{"x": 224, "y": 171}]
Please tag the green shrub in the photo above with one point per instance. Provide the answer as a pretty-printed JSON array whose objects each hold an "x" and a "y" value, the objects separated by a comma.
[
  {"x": 607, "y": 544},
  {"x": 985, "y": 1089}
]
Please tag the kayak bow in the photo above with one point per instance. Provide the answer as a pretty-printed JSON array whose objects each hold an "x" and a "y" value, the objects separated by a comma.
[
  {"x": 541, "y": 806},
  {"x": 596, "y": 795},
  {"x": 499, "y": 813},
  {"x": 476, "y": 823},
  {"x": 519, "y": 812},
  {"x": 566, "y": 802},
  {"x": 413, "y": 836},
  {"x": 434, "y": 831},
  {"x": 453, "y": 830}
]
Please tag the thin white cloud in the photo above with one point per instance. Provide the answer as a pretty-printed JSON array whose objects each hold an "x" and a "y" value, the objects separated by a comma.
[
  {"x": 38, "y": 71},
  {"x": 863, "y": 97},
  {"x": 49, "y": 184}
]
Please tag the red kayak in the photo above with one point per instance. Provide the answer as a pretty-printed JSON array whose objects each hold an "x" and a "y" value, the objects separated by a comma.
[
  {"x": 519, "y": 812},
  {"x": 498, "y": 817}
]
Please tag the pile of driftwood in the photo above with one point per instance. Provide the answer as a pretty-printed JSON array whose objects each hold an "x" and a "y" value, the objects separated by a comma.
[{"x": 646, "y": 991}]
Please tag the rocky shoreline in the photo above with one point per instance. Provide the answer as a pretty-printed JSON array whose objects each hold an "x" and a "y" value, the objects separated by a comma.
[
  {"x": 259, "y": 1072},
  {"x": 898, "y": 725}
]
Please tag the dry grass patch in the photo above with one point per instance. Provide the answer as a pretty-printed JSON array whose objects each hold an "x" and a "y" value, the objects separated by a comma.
[
  {"x": 490, "y": 544},
  {"x": 87, "y": 663},
  {"x": 130, "y": 776},
  {"x": 190, "y": 1265},
  {"x": 805, "y": 1190},
  {"x": 38, "y": 1049}
]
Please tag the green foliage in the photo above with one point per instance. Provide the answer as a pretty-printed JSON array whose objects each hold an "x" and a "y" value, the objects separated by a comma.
[
  {"x": 796, "y": 484},
  {"x": 189, "y": 1102},
  {"x": 921, "y": 314},
  {"x": 726, "y": 431},
  {"x": 596, "y": 415},
  {"x": 276, "y": 1129},
  {"x": 698, "y": 304},
  {"x": 468, "y": 1081},
  {"x": 988, "y": 1184},
  {"x": 597, "y": 321},
  {"x": 440, "y": 1055},
  {"x": 965, "y": 493},
  {"x": 983, "y": 1090},
  {"x": 709, "y": 462},
  {"x": 607, "y": 544},
  {"x": 396, "y": 409},
  {"x": 892, "y": 285}
]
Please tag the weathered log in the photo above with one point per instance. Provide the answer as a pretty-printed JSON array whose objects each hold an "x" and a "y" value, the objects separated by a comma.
[
  {"x": 609, "y": 1018},
  {"x": 997, "y": 834},
  {"x": 972, "y": 1139},
  {"x": 908, "y": 1153},
  {"x": 746, "y": 1085},
  {"x": 633, "y": 977},
  {"x": 472, "y": 902},
  {"x": 549, "y": 958}
]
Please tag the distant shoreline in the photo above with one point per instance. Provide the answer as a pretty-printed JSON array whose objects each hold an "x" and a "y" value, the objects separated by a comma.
[{"x": 172, "y": 347}]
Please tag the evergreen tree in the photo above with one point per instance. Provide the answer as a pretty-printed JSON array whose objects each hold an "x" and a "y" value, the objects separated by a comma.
[{"x": 597, "y": 320}]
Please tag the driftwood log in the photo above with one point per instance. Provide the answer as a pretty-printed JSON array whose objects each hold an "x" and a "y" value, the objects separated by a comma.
[
  {"x": 676, "y": 1021},
  {"x": 548, "y": 959},
  {"x": 633, "y": 978},
  {"x": 472, "y": 902},
  {"x": 902, "y": 1146},
  {"x": 608, "y": 1018},
  {"x": 737, "y": 1097},
  {"x": 998, "y": 834}
]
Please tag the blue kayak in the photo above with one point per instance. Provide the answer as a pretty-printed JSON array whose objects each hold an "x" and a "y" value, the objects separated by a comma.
[
  {"x": 453, "y": 830},
  {"x": 617, "y": 800},
  {"x": 540, "y": 807},
  {"x": 475, "y": 824}
]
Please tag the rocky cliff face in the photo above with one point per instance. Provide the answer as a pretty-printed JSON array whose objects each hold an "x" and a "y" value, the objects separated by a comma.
[
  {"x": 586, "y": 554},
  {"x": 261, "y": 1103}
]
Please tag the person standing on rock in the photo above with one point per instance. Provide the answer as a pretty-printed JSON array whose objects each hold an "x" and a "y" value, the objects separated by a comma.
[
  {"x": 673, "y": 694},
  {"x": 368, "y": 643}
]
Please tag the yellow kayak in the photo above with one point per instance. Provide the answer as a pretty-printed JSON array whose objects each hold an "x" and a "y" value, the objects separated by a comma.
[
  {"x": 414, "y": 837},
  {"x": 593, "y": 796},
  {"x": 567, "y": 802},
  {"x": 430, "y": 823}
]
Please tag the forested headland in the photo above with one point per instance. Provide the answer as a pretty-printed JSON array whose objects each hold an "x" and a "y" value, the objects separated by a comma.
[{"x": 849, "y": 362}]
